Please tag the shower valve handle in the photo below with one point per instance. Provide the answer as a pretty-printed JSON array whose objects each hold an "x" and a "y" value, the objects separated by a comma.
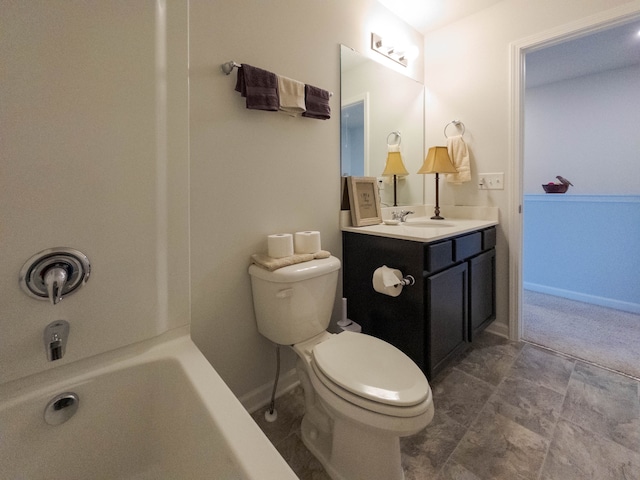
[{"x": 55, "y": 279}]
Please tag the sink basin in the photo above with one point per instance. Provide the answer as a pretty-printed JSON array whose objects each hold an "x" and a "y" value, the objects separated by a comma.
[{"x": 428, "y": 224}]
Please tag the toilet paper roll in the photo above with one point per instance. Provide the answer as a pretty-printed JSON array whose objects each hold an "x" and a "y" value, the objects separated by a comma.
[
  {"x": 387, "y": 281},
  {"x": 307, "y": 242},
  {"x": 280, "y": 245}
]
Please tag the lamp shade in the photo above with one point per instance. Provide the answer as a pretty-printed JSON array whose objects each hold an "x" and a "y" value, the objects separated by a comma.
[
  {"x": 437, "y": 161},
  {"x": 394, "y": 165}
]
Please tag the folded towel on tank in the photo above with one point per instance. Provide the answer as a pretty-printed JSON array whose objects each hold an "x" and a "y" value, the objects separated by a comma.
[
  {"x": 317, "y": 103},
  {"x": 459, "y": 155},
  {"x": 291, "y": 94},
  {"x": 260, "y": 87},
  {"x": 269, "y": 263}
]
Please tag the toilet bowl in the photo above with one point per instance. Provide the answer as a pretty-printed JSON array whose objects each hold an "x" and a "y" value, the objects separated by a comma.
[{"x": 361, "y": 393}]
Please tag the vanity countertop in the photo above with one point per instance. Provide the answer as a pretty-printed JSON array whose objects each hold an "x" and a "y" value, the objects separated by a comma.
[{"x": 420, "y": 228}]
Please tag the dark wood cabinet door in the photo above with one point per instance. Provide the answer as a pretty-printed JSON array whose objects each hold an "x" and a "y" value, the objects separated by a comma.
[
  {"x": 446, "y": 300},
  {"x": 482, "y": 291}
]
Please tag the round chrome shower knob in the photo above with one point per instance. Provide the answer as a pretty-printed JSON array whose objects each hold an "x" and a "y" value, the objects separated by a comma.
[{"x": 54, "y": 273}]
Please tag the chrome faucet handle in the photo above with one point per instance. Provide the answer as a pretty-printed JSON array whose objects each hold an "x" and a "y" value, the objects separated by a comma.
[
  {"x": 55, "y": 279},
  {"x": 403, "y": 215}
]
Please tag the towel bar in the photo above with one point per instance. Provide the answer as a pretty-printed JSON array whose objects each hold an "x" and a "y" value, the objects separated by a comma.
[
  {"x": 228, "y": 67},
  {"x": 456, "y": 123}
]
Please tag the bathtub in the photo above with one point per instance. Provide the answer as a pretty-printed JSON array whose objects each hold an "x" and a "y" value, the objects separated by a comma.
[{"x": 156, "y": 410}]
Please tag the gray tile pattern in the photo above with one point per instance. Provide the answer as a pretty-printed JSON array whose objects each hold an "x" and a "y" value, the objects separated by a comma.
[{"x": 506, "y": 410}]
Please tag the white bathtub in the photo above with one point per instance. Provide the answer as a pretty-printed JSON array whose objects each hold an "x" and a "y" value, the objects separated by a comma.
[{"x": 157, "y": 411}]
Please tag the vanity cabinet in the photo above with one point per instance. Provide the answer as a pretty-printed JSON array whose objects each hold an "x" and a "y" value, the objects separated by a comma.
[{"x": 452, "y": 299}]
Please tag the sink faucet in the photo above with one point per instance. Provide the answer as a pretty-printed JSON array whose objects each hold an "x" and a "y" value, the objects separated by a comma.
[{"x": 401, "y": 215}]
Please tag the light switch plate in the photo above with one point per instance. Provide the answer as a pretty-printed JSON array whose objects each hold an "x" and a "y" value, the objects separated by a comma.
[{"x": 491, "y": 181}]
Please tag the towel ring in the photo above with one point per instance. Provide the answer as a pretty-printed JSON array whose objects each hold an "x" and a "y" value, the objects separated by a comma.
[
  {"x": 456, "y": 123},
  {"x": 397, "y": 134}
]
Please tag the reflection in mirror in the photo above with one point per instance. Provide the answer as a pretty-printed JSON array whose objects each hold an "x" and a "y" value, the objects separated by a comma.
[
  {"x": 354, "y": 151},
  {"x": 376, "y": 101}
]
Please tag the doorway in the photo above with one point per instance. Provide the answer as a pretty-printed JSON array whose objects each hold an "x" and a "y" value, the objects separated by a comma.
[
  {"x": 519, "y": 51},
  {"x": 354, "y": 136}
]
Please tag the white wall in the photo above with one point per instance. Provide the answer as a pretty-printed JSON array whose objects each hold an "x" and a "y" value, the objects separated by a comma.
[
  {"x": 95, "y": 155},
  {"x": 585, "y": 129},
  {"x": 94, "y": 149},
  {"x": 254, "y": 173},
  {"x": 467, "y": 78}
]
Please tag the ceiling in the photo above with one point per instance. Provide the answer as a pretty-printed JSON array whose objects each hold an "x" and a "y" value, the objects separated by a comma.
[
  {"x": 615, "y": 47},
  {"x": 604, "y": 50},
  {"x": 426, "y": 15}
]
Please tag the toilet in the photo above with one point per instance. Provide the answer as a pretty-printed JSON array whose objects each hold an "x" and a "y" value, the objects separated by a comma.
[{"x": 361, "y": 393}]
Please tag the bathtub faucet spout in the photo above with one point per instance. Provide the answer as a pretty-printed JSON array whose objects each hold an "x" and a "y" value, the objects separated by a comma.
[{"x": 55, "y": 339}]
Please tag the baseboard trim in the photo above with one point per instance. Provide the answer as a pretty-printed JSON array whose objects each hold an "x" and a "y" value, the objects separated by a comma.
[
  {"x": 261, "y": 396},
  {"x": 584, "y": 297},
  {"x": 498, "y": 328}
]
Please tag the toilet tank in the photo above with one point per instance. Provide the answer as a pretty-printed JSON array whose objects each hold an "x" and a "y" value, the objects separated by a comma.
[{"x": 294, "y": 303}]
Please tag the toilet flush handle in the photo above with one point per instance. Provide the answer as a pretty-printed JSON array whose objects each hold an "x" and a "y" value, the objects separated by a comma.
[{"x": 286, "y": 293}]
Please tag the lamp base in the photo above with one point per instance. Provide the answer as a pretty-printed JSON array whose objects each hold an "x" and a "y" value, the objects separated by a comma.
[{"x": 436, "y": 211}]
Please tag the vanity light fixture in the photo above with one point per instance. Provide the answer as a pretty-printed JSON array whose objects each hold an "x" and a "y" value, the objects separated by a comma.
[
  {"x": 437, "y": 161},
  {"x": 394, "y": 165},
  {"x": 395, "y": 53}
]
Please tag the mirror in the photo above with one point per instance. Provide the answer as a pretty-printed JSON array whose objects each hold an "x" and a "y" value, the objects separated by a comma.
[{"x": 376, "y": 101}]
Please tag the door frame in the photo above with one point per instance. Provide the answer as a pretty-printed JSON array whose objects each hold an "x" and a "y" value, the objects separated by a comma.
[
  {"x": 364, "y": 99},
  {"x": 517, "y": 53}
]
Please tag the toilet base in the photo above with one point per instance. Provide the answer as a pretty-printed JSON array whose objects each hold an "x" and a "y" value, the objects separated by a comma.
[{"x": 352, "y": 453}]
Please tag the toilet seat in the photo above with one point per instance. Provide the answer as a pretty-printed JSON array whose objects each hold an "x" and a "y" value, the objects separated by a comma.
[{"x": 371, "y": 373}]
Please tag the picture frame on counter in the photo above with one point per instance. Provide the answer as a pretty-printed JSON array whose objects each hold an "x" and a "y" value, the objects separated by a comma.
[{"x": 364, "y": 201}]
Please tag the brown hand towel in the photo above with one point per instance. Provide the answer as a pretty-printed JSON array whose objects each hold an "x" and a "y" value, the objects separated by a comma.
[
  {"x": 260, "y": 87},
  {"x": 317, "y": 103}
]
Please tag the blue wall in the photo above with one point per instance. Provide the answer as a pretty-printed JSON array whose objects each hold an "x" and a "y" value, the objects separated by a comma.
[
  {"x": 584, "y": 247},
  {"x": 352, "y": 140}
]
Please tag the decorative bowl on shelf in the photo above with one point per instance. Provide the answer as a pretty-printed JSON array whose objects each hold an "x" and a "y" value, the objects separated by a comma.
[
  {"x": 555, "y": 188},
  {"x": 561, "y": 187}
]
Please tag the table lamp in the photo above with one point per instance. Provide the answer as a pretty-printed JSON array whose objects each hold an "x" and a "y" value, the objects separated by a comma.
[
  {"x": 394, "y": 166},
  {"x": 437, "y": 161}
]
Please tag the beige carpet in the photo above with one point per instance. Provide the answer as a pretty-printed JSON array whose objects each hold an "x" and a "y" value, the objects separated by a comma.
[{"x": 604, "y": 336}]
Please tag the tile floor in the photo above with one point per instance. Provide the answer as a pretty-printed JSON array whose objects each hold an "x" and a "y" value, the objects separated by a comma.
[{"x": 506, "y": 410}]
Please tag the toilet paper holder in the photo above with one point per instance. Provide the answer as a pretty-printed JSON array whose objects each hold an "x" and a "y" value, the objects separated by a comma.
[
  {"x": 407, "y": 280},
  {"x": 390, "y": 281}
]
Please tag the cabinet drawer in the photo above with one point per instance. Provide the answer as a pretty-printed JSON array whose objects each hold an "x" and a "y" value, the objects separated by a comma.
[
  {"x": 467, "y": 246},
  {"x": 438, "y": 256},
  {"x": 488, "y": 238}
]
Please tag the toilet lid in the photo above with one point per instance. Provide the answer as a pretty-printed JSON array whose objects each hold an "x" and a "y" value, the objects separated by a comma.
[{"x": 371, "y": 368}]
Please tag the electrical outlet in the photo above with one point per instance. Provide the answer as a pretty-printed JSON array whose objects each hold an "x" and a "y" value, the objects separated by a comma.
[{"x": 491, "y": 181}]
